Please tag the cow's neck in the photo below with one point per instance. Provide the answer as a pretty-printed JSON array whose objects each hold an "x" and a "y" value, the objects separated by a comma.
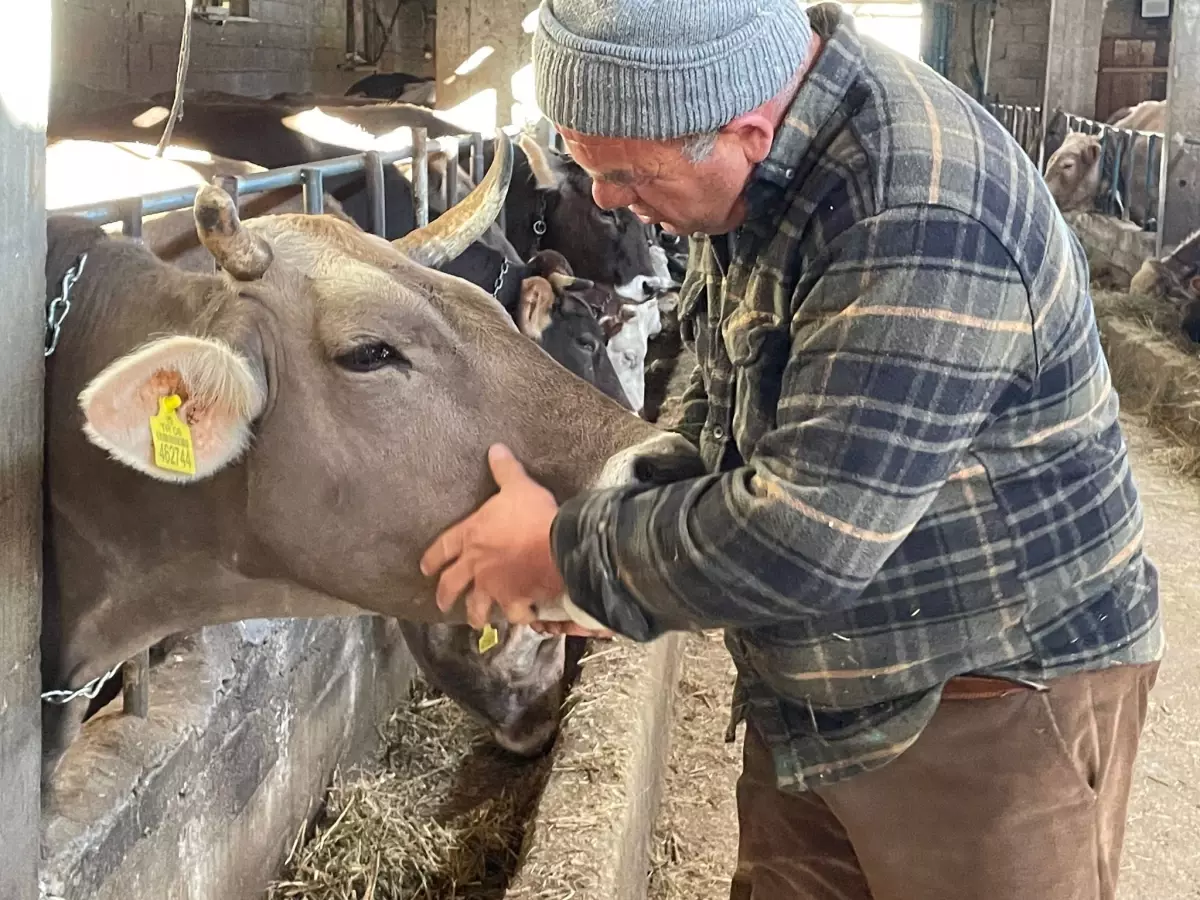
[{"x": 526, "y": 203}]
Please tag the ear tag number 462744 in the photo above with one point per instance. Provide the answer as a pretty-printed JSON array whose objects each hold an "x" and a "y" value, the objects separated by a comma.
[{"x": 171, "y": 437}]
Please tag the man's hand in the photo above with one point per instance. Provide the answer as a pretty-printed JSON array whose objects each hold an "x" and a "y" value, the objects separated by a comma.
[{"x": 500, "y": 553}]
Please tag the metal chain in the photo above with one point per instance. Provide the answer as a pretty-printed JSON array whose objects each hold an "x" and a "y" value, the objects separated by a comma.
[
  {"x": 539, "y": 223},
  {"x": 61, "y": 305},
  {"x": 89, "y": 690},
  {"x": 500, "y": 279}
]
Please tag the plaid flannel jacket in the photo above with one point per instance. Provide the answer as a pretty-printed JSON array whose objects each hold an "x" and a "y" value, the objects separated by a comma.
[{"x": 918, "y": 470}]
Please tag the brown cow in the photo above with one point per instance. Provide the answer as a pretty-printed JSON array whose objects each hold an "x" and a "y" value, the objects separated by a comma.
[
  {"x": 340, "y": 396},
  {"x": 515, "y": 688},
  {"x": 1149, "y": 115}
]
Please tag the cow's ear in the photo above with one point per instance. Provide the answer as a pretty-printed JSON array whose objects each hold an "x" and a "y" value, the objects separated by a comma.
[
  {"x": 543, "y": 169},
  {"x": 537, "y": 305},
  {"x": 129, "y": 411},
  {"x": 1090, "y": 152}
]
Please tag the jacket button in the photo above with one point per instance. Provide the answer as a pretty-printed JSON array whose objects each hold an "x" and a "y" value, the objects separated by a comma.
[{"x": 718, "y": 432}]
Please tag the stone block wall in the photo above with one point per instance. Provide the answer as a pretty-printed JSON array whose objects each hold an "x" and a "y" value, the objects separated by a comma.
[
  {"x": 1018, "y": 49},
  {"x": 132, "y": 46}
]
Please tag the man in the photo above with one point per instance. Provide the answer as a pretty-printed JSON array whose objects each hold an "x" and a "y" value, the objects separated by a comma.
[{"x": 920, "y": 531}]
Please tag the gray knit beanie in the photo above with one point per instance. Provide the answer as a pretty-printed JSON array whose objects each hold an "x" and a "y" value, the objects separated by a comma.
[{"x": 662, "y": 69}]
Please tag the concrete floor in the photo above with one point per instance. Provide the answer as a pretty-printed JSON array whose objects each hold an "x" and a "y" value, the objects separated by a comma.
[{"x": 696, "y": 837}]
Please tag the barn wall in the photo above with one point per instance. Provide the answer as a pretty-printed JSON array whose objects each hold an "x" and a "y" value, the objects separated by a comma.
[
  {"x": 1018, "y": 49},
  {"x": 132, "y": 46},
  {"x": 22, "y": 329}
]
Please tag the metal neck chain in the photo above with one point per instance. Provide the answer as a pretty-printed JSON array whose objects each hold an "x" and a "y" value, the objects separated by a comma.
[
  {"x": 539, "y": 223},
  {"x": 89, "y": 690},
  {"x": 500, "y": 279},
  {"x": 61, "y": 304}
]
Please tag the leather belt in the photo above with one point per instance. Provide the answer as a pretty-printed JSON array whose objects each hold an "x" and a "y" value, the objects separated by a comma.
[{"x": 982, "y": 687}]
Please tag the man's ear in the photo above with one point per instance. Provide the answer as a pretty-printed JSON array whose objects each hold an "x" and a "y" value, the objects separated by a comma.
[
  {"x": 222, "y": 393},
  {"x": 755, "y": 133}
]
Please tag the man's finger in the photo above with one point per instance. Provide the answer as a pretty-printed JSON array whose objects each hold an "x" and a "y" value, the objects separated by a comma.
[
  {"x": 445, "y": 549},
  {"x": 519, "y": 613},
  {"x": 452, "y": 584},
  {"x": 479, "y": 606},
  {"x": 505, "y": 467}
]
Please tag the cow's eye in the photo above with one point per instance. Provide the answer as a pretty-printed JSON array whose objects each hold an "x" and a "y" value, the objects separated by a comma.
[
  {"x": 588, "y": 343},
  {"x": 370, "y": 357}
]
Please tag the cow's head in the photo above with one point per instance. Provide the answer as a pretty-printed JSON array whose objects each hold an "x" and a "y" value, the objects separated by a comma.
[
  {"x": 610, "y": 247},
  {"x": 1073, "y": 172},
  {"x": 1175, "y": 278},
  {"x": 356, "y": 391},
  {"x": 516, "y": 688},
  {"x": 562, "y": 313}
]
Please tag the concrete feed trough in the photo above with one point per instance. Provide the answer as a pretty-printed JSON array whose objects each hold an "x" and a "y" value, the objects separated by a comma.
[{"x": 249, "y": 724}]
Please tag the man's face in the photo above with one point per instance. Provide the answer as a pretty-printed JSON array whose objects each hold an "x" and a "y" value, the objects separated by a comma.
[{"x": 662, "y": 186}]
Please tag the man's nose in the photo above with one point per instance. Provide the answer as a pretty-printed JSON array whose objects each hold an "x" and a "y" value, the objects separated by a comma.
[{"x": 611, "y": 196}]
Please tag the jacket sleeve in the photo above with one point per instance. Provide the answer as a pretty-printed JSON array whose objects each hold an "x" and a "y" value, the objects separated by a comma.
[
  {"x": 692, "y": 409},
  {"x": 914, "y": 333}
]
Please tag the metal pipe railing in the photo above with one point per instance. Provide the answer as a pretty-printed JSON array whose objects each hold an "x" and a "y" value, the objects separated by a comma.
[
  {"x": 310, "y": 177},
  {"x": 1024, "y": 123}
]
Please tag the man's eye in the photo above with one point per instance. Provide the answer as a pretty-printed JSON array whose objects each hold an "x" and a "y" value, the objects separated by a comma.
[{"x": 370, "y": 357}]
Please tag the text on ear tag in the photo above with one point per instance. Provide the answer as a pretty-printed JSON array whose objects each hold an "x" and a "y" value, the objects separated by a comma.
[
  {"x": 171, "y": 437},
  {"x": 488, "y": 638}
]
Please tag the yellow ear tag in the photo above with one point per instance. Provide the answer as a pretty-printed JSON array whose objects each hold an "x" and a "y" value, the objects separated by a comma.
[
  {"x": 488, "y": 639},
  {"x": 172, "y": 438}
]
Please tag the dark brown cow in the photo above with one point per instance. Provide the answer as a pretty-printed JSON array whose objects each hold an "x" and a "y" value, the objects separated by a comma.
[{"x": 1175, "y": 278}]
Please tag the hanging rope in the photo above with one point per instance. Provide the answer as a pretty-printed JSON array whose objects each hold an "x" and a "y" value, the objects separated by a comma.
[{"x": 185, "y": 56}]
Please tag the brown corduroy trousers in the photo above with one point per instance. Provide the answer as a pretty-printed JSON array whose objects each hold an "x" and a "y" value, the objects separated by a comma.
[{"x": 1008, "y": 794}]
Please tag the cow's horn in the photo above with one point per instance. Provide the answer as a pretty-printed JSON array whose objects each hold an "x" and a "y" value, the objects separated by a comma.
[
  {"x": 238, "y": 251},
  {"x": 565, "y": 283},
  {"x": 451, "y": 233}
]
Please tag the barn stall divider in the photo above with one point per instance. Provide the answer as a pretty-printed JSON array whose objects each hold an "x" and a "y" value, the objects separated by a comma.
[{"x": 202, "y": 798}]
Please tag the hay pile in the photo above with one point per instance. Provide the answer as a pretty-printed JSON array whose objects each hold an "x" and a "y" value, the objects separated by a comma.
[
  {"x": 441, "y": 815},
  {"x": 1155, "y": 368},
  {"x": 1159, "y": 316}
]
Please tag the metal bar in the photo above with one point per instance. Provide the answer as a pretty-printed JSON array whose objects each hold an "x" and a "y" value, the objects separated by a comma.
[
  {"x": 450, "y": 182},
  {"x": 314, "y": 191},
  {"x": 1115, "y": 193},
  {"x": 1135, "y": 70},
  {"x": 420, "y": 176},
  {"x": 1152, "y": 146},
  {"x": 135, "y": 690},
  {"x": 131, "y": 218},
  {"x": 181, "y": 198},
  {"x": 376, "y": 193},
  {"x": 476, "y": 158}
]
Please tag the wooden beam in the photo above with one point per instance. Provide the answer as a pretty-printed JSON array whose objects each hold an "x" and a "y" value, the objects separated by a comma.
[
  {"x": 463, "y": 27},
  {"x": 24, "y": 95},
  {"x": 1179, "y": 199},
  {"x": 1073, "y": 56}
]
